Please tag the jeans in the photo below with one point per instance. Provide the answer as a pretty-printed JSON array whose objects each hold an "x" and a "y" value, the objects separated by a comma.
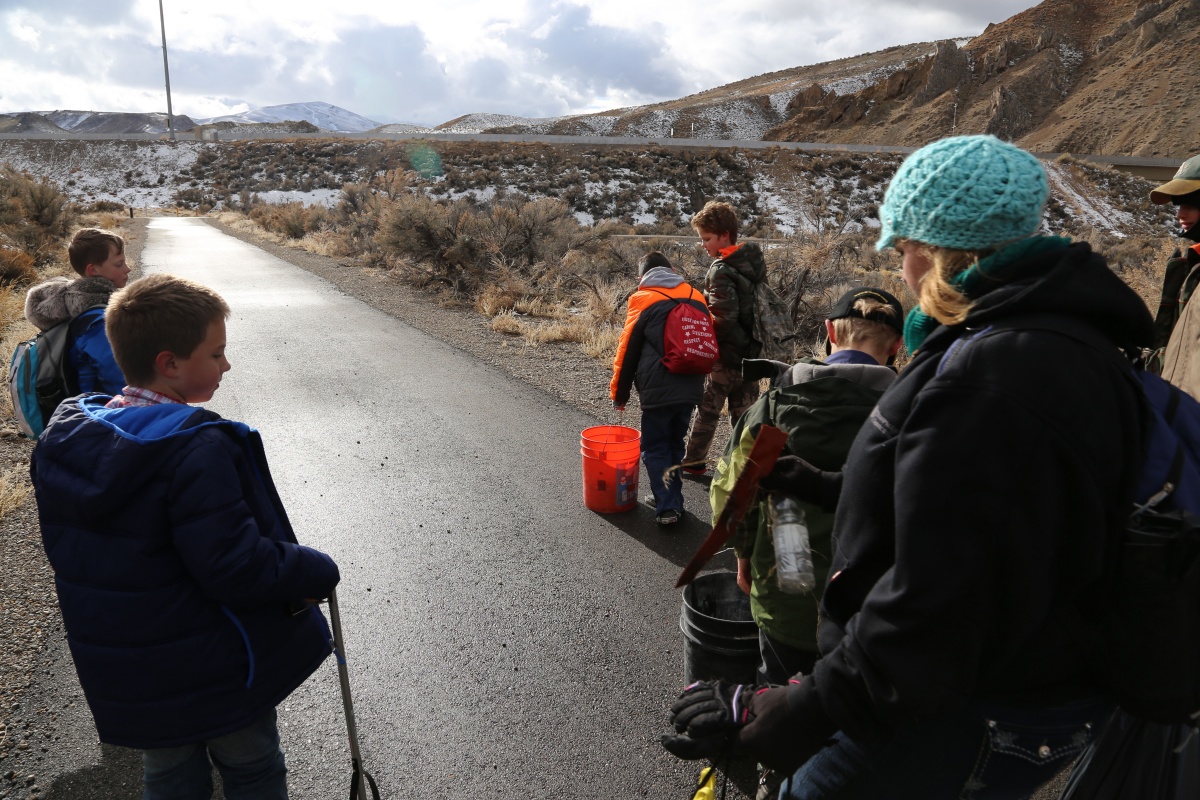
[
  {"x": 250, "y": 761},
  {"x": 663, "y": 432},
  {"x": 983, "y": 752}
]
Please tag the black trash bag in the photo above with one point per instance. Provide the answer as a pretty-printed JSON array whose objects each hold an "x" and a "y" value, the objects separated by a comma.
[{"x": 1133, "y": 758}]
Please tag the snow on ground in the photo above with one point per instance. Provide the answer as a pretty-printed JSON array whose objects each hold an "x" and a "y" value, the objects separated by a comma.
[
  {"x": 1095, "y": 211},
  {"x": 477, "y": 123},
  {"x": 317, "y": 197},
  {"x": 402, "y": 127},
  {"x": 151, "y": 174},
  {"x": 856, "y": 83},
  {"x": 780, "y": 100},
  {"x": 1070, "y": 56},
  {"x": 601, "y": 125},
  {"x": 88, "y": 174}
]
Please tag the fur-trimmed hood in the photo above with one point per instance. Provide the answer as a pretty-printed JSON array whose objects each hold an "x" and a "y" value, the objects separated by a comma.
[{"x": 58, "y": 299}]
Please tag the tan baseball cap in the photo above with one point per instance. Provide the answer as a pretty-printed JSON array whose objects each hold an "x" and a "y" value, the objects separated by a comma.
[{"x": 1186, "y": 181}]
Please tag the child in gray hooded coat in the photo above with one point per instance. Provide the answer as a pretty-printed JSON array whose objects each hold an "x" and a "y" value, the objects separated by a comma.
[{"x": 99, "y": 258}]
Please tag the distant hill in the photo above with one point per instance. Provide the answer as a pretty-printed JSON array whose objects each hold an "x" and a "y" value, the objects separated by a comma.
[
  {"x": 1106, "y": 77},
  {"x": 293, "y": 117},
  {"x": 321, "y": 115},
  {"x": 115, "y": 122},
  {"x": 27, "y": 122}
]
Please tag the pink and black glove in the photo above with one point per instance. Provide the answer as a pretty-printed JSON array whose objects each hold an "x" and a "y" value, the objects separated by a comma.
[{"x": 717, "y": 718}]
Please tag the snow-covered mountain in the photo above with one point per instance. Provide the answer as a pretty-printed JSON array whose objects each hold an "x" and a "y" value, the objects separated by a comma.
[{"x": 323, "y": 115}]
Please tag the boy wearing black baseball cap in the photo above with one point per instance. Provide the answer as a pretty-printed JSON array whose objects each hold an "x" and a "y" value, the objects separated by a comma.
[{"x": 820, "y": 405}]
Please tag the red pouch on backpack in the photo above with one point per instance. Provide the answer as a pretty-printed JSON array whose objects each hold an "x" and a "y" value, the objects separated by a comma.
[{"x": 689, "y": 343}]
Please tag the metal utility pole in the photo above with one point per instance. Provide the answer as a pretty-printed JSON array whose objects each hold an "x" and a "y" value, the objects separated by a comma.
[
  {"x": 953, "y": 125},
  {"x": 166, "y": 72}
]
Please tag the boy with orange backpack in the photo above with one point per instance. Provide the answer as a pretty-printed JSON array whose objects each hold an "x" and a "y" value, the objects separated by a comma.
[{"x": 667, "y": 397}]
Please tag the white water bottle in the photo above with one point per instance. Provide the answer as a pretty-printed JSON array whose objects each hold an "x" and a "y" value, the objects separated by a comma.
[{"x": 793, "y": 557}]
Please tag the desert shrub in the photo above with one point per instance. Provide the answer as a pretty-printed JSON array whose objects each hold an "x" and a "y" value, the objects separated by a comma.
[
  {"x": 16, "y": 267},
  {"x": 444, "y": 237},
  {"x": 34, "y": 216},
  {"x": 291, "y": 220},
  {"x": 104, "y": 207}
]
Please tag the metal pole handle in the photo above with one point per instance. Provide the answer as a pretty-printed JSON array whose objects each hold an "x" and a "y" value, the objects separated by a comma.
[{"x": 335, "y": 620}]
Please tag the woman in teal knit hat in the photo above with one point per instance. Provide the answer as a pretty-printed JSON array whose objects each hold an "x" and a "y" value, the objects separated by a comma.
[{"x": 975, "y": 513}]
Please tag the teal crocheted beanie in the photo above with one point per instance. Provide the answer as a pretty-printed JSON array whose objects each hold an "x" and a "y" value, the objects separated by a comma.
[{"x": 966, "y": 193}]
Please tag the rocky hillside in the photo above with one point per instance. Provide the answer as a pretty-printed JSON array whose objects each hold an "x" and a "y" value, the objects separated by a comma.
[
  {"x": 1087, "y": 76},
  {"x": 1107, "y": 77}
]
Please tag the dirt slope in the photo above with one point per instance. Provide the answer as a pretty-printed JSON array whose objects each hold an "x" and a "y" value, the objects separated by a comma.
[{"x": 1085, "y": 76}]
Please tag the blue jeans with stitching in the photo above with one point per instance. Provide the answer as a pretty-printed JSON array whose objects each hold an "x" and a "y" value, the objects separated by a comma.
[
  {"x": 250, "y": 762},
  {"x": 983, "y": 752},
  {"x": 663, "y": 432}
]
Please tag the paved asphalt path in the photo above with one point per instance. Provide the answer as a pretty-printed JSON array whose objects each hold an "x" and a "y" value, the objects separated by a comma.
[{"x": 503, "y": 641}]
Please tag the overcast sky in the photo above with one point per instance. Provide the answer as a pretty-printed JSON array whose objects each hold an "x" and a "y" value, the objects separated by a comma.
[{"x": 429, "y": 62}]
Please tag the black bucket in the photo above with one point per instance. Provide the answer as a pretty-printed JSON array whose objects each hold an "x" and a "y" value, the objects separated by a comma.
[{"x": 720, "y": 636}]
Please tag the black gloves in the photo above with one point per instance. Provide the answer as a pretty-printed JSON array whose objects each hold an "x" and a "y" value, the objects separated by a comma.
[
  {"x": 717, "y": 718},
  {"x": 803, "y": 481},
  {"x": 707, "y": 714}
]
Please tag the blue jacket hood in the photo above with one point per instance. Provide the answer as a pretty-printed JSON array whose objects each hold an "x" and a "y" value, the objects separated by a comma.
[{"x": 123, "y": 448}]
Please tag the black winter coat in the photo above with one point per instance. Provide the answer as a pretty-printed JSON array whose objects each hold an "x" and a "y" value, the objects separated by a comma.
[{"x": 979, "y": 507}]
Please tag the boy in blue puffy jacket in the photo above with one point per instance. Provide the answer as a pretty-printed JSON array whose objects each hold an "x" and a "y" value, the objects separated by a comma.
[
  {"x": 176, "y": 568},
  {"x": 98, "y": 256}
]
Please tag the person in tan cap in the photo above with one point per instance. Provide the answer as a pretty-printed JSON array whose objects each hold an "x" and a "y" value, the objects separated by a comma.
[{"x": 1177, "y": 324}]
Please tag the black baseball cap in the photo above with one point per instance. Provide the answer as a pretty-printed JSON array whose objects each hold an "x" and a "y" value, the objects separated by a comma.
[{"x": 844, "y": 307}]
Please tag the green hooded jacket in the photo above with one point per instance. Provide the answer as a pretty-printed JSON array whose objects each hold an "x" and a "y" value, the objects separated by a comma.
[{"x": 821, "y": 408}]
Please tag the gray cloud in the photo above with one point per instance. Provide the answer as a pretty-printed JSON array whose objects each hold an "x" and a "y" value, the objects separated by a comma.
[
  {"x": 561, "y": 61},
  {"x": 593, "y": 59},
  {"x": 388, "y": 73}
]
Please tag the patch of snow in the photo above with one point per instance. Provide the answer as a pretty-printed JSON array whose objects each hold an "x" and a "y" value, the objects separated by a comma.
[
  {"x": 402, "y": 127},
  {"x": 779, "y": 100},
  {"x": 1070, "y": 56},
  {"x": 1094, "y": 211},
  {"x": 733, "y": 119},
  {"x": 856, "y": 83},
  {"x": 477, "y": 123},
  {"x": 141, "y": 174},
  {"x": 601, "y": 125},
  {"x": 317, "y": 197}
]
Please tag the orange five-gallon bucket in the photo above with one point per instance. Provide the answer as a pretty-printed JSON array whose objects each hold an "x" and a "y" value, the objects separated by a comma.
[{"x": 610, "y": 467}]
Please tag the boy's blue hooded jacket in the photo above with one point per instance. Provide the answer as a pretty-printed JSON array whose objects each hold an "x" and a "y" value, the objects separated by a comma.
[{"x": 175, "y": 566}]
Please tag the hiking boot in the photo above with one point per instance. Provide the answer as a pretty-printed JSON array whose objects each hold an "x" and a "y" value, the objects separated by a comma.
[
  {"x": 695, "y": 469},
  {"x": 668, "y": 517}
]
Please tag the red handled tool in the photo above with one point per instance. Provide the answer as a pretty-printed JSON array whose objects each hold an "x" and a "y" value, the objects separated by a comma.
[{"x": 768, "y": 444}]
